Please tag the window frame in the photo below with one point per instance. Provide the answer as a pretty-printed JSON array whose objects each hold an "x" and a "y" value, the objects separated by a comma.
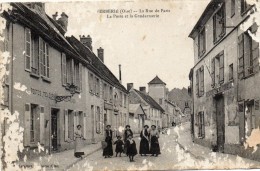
[
  {"x": 202, "y": 51},
  {"x": 217, "y": 38}
]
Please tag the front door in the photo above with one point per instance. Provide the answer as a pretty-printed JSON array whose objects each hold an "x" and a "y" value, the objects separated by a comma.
[
  {"x": 54, "y": 130},
  {"x": 220, "y": 123}
]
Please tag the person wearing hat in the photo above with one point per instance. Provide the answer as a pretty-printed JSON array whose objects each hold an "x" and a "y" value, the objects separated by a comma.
[
  {"x": 78, "y": 142},
  {"x": 127, "y": 132},
  {"x": 108, "y": 151},
  {"x": 144, "y": 143},
  {"x": 154, "y": 138}
]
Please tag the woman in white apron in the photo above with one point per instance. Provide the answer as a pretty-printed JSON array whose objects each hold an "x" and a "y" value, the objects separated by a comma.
[{"x": 78, "y": 142}]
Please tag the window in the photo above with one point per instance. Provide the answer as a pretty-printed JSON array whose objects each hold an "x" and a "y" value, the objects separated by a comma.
[
  {"x": 97, "y": 87},
  {"x": 121, "y": 99},
  {"x": 69, "y": 70},
  {"x": 221, "y": 67},
  {"x": 44, "y": 58},
  {"x": 124, "y": 100},
  {"x": 213, "y": 72},
  {"x": 200, "y": 81},
  {"x": 35, "y": 54},
  {"x": 231, "y": 72},
  {"x": 248, "y": 55},
  {"x": 217, "y": 69},
  {"x": 233, "y": 7},
  {"x": 71, "y": 124},
  {"x": 91, "y": 83},
  {"x": 202, "y": 42},
  {"x": 28, "y": 49},
  {"x": 160, "y": 101},
  {"x": 201, "y": 124},
  {"x": 32, "y": 122},
  {"x": 110, "y": 94},
  {"x": 244, "y": 6},
  {"x": 78, "y": 75},
  {"x": 105, "y": 91},
  {"x": 98, "y": 120},
  {"x": 219, "y": 23}
]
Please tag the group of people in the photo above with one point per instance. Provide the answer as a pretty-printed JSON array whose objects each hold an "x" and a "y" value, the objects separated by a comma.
[{"x": 149, "y": 143}]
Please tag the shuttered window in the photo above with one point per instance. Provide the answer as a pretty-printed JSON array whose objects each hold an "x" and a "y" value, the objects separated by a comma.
[
  {"x": 221, "y": 67},
  {"x": 63, "y": 69},
  {"x": 35, "y": 54},
  {"x": 97, "y": 87},
  {"x": 44, "y": 58},
  {"x": 42, "y": 129},
  {"x": 248, "y": 54},
  {"x": 85, "y": 125},
  {"x": 219, "y": 23},
  {"x": 202, "y": 42},
  {"x": 91, "y": 83},
  {"x": 28, "y": 49},
  {"x": 231, "y": 72},
  {"x": 66, "y": 125},
  {"x": 69, "y": 70},
  {"x": 110, "y": 94}
]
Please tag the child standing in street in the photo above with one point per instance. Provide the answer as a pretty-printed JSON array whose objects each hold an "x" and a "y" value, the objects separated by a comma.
[
  {"x": 131, "y": 148},
  {"x": 119, "y": 146}
]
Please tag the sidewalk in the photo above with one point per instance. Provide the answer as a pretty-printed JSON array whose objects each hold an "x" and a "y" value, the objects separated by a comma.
[
  {"x": 215, "y": 159},
  {"x": 59, "y": 161}
]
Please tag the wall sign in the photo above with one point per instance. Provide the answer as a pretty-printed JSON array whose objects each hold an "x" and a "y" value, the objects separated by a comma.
[{"x": 222, "y": 88}]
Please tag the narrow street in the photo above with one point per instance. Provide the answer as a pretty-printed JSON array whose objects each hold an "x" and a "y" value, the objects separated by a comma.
[
  {"x": 174, "y": 156},
  {"x": 171, "y": 155}
]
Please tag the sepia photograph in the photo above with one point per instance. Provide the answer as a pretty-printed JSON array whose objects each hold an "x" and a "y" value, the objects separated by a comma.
[{"x": 129, "y": 85}]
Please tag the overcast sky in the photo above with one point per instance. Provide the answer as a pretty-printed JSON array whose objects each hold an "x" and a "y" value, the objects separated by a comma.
[{"x": 145, "y": 47}]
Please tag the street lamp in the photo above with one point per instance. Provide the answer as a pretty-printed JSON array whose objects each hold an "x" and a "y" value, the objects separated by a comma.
[{"x": 72, "y": 88}]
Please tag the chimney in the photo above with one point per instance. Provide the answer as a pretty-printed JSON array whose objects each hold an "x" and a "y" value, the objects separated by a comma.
[
  {"x": 54, "y": 16},
  {"x": 120, "y": 76},
  {"x": 142, "y": 89},
  {"x": 63, "y": 21},
  {"x": 100, "y": 53},
  {"x": 87, "y": 41},
  {"x": 130, "y": 86}
]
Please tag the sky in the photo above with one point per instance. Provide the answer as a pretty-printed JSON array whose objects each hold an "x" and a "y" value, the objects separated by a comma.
[{"x": 145, "y": 47}]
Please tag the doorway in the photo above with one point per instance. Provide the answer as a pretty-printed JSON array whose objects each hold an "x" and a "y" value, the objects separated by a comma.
[
  {"x": 220, "y": 112},
  {"x": 54, "y": 129}
]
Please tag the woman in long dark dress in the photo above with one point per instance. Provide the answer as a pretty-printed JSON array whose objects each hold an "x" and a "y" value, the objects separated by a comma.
[
  {"x": 108, "y": 151},
  {"x": 154, "y": 136},
  {"x": 144, "y": 143},
  {"x": 127, "y": 132}
]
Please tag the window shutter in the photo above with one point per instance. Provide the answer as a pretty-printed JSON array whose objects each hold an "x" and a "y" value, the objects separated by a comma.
[
  {"x": 80, "y": 77},
  {"x": 241, "y": 71},
  {"x": 247, "y": 54},
  {"x": 71, "y": 125},
  {"x": 27, "y": 117},
  {"x": 28, "y": 49},
  {"x": 202, "y": 125},
  {"x": 85, "y": 126},
  {"x": 42, "y": 129},
  {"x": 66, "y": 125},
  {"x": 255, "y": 55},
  {"x": 47, "y": 61},
  {"x": 197, "y": 82},
  {"x": 213, "y": 71},
  {"x": 75, "y": 122},
  {"x": 72, "y": 72},
  {"x": 63, "y": 69},
  {"x": 221, "y": 67},
  {"x": 202, "y": 80},
  {"x": 41, "y": 56}
]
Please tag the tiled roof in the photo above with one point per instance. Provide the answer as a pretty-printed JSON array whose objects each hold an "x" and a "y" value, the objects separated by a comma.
[
  {"x": 149, "y": 100},
  {"x": 157, "y": 80},
  {"x": 96, "y": 65}
]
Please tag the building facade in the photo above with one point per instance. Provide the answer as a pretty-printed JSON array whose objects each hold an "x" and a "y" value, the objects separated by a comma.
[
  {"x": 225, "y": 77},
  {"x": 56, "y": 82},
  {"x": 153, "y": 111}
]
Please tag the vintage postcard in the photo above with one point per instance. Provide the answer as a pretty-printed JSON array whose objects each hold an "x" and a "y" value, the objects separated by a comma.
[{"x": 129, "y": 85}]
